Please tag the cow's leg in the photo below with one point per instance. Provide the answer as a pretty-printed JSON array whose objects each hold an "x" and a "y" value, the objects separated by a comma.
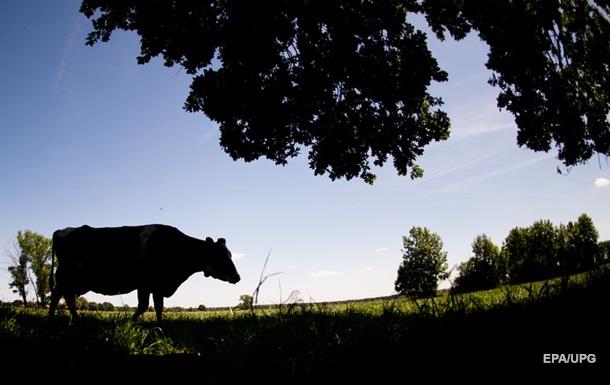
[
  {"x": 71, "y": 302},
  {"x": 158, "y": 300},
  {"x": 55, "y": 297},
  {"x": 143, "y": 297}
]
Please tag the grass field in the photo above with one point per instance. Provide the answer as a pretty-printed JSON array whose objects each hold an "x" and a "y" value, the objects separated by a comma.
[{"x": 506, "y": 329}]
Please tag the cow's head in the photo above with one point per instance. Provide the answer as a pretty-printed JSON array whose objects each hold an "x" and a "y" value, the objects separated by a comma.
[{"x": 218, "y": 263}]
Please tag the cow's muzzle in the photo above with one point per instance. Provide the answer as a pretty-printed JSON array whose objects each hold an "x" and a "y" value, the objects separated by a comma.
[{"x": 234, "y": 279}]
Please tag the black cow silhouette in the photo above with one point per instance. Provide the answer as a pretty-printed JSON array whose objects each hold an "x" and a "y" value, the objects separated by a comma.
[{"x": 154, "y": 259}]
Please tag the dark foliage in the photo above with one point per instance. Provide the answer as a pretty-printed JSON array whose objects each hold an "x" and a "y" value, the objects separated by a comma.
[
  {"x": 483, "y": 270},
  {"x": 603, "y": 252},
  {"x": 551, "y": 60},
  {"x": 542, "y": 250},
  {"x": 349, "y": 80}
]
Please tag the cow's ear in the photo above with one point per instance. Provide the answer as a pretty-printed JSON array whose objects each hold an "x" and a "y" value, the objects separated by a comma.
[
  {"x": 222, "y": 241},
  {"x": 208, "y": 240}
]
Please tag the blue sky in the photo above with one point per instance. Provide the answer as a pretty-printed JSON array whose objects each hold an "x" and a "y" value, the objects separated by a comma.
[{"x": 87, "y": 136}]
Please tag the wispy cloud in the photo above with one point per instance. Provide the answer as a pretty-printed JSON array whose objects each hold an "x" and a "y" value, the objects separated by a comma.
[
  {"x": 601, "y": 182},
  {"x": 461, "y": 166},
  {"x": 467, "y": 185},
  {"x": 382, "y": 249},
  {"x": 61, "y": 69},
  {"x": 478, "y": 118},
  {"x": 369, "y": 268},
  {"x": 207, "y": 136},
  {"x": 326, "y": 273}
]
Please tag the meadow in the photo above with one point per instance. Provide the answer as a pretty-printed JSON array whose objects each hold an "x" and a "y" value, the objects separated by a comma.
[{"x": 507, "y": 329}]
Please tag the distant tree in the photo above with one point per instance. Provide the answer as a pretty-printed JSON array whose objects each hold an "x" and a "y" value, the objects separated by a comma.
[
  {"x": 201, "y": 307},
  {"x": 531, "y": 253},
  {"x": 245, "y": 302},
  {"x": 542, "y": 246},
  {"x": 483, "y": 270},
  {"x": 424, "y": 264},
  {"x": 18, "y": 270},
  {"x": 565, "y": 249},
  {"x": 106, "y": 306},
  {"x": 578, "y": 247},
  {"x": 603, "y": 252},
  {"x": 19, "y": 303},
  {"x": 542, "y": 250},
  {"x": 350, "y": 80},
  {"x": 585, "y": 243},
  {"x": 515, "y": 249},
  {"x": 34, "y": 252},
  {"x": 82, "y": 303}
]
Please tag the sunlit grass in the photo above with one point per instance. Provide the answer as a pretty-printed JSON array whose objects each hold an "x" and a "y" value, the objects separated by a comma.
[{"x": 304, "y": 337}]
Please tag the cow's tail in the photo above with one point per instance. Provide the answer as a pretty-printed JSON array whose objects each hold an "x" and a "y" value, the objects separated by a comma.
[{"x": 52, "y": 275}]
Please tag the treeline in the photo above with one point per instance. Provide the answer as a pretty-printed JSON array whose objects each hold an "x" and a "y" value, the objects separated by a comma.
[
  {"x": 540, "y": 251},
  {"x": 83, "y": 304},
  {"x": 533, "y": 253}
]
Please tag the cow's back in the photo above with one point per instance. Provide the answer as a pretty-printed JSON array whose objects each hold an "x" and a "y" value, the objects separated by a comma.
[{"x": 108, "y": 260}]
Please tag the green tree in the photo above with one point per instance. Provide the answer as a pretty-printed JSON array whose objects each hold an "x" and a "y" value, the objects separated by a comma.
[
  {"x": 565, "y": 249},
  {"x": 543, "y": 249},
  {"x": 532, "y": 253},
  {"x": 37, "y": 250},
  {"x": 578, "y": 247},
  {"x": 585, "y": 243},
  {"x": 349, "y": 81},
  {"x": 106, "y": 306},
  {"x": 483, "y": 270},
  {"x": 424, "y": 264},
  {"x": 603, "y": 252},
  {"x": 516, "y": 252},
  {"x": 245, "y": 302},
  {"x": 82, "y": 303},
  {"x": 19, "y": 274}
]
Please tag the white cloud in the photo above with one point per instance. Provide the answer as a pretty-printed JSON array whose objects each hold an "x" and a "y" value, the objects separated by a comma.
[
  {"x": 369, "y": 268},
  {"x": 602, "y": 182},
  {"x": 326, "y": 273},
  {"x": 382, "y": 249},
  {"x": 237, "y": 256},
  {"x": 292, "y": 267}
]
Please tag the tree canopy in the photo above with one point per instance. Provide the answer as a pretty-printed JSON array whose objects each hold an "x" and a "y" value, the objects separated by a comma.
[
  {"x": 37, "y": 250},
  {"x": 542, "y": 250},
  {"x": 32, "y": 255},
  {"x": 349, "y": 80},
  {"x": 424, "y": 263},
  {"x": 483, "y": 270}
]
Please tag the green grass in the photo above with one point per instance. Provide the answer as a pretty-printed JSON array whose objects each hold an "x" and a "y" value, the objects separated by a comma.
[{"x": 505, "y": 328}]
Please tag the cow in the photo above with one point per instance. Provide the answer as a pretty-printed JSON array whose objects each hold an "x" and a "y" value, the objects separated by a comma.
[{"x": 152, "y": 259}]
